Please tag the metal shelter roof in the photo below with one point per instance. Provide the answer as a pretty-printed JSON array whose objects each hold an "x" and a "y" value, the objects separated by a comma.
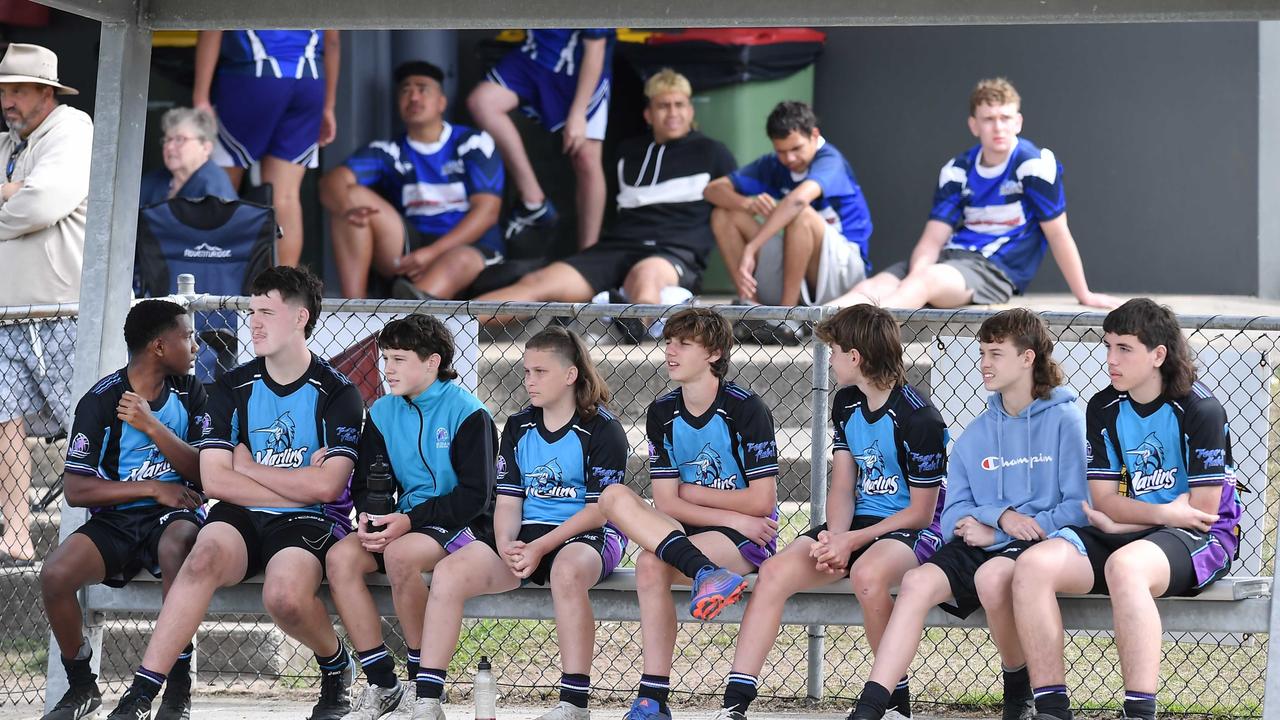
[{"x": 383, "y": 14}]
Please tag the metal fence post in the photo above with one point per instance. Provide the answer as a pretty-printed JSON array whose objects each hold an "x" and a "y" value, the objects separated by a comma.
[
  {"x": 124, "y": 72},
  {"x": 818, "y": 496}
]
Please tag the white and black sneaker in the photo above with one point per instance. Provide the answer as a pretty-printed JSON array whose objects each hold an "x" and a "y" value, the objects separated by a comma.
[
  {"x": 335, "y": 696},
  {"x": 376, "y": 701},
  {"x": 522, "y": 219},
  {"x": 80, "y": 701},
  {"x": 133, "y": 706},
  {"x": 175, "y": 703}
]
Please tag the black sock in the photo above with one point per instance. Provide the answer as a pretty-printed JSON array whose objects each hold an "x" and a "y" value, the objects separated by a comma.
[
  {"x": 900, "y": 699},
  {"x": 873, "y": 702},
  {"x": 413, "y": 656},
  {"x": 378, "y": 666},
  {"x": 430, "y": 683},
  {"x": 146, "y": 683},
  {"x": 181, "y": 671},
  {"x": 657, "y": 688},
  {"x": 1139, "y": 705},
  {"x": 575, "y": 689},
  {"x": 78, "y": 670},
  {"x": 1053, "y": 700},
  {"x": 676, "y": 551},
  {"x": 336, "y": 662},
  {"x": 1017, "y": 684},
  {"x": 739, "y": 692}
]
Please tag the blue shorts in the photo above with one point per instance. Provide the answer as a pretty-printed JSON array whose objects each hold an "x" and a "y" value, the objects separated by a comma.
[
  {"x": 547, "y": 96},
  {"x": 260, "y": 116}
]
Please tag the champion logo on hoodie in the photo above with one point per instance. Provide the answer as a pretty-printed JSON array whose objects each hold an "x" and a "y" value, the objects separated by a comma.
[{"x": 995, "y": 462}]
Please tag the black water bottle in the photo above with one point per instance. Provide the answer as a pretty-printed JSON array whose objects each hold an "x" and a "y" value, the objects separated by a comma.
[{"x": 381, "y": 498}]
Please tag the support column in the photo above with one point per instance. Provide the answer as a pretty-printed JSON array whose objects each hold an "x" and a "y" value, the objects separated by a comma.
[
  {"x": 1269, "y": 159},
  {"x": 818, "y": 430},
  {"x": 120, "y": 106}
]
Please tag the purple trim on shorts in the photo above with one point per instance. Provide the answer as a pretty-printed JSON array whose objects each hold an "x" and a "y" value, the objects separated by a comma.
[
  {"x": 927, "y": 543},
  {"x": 756, "y": 554},
  {"x": 615, "y": 543},
  {"x": 462, "y": 539},
  {"x": 1209, "y": 561}
]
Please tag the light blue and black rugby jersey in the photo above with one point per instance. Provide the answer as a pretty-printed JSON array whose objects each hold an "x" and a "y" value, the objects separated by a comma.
[
  {"x": 103, "y": 446},
  {"x": 431, "y": 184},
  {"x": 728, "y": 446},
  {"x": 441, "y": 447},
  {"x": 558, "y": 473},
  {"x": 900, "y": 445},
  {"x": 273, "y": 53},
  {"x": 997, "y": 211},
  {"x": 283, "y": 425},
  {"x": 1160, "y": 450},
  {"x": 560, "y": 51},
  {"x": 841, "y": 204}
]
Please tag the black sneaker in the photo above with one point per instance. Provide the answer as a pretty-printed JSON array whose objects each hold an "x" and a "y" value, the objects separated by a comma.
[
  {"x": 175, "y": 704},
  {"x": 631, "y": 331},
  {"x": 79, "y": 701},
  {"x": 768, "y": 332},
  {"x": 132, "y": 707},
  {"x": 335, "y": 700},
  {"x": 403, "y": 289},
  {"x": 1019, "y": 708},
  {"x": 522, "y": 218},
  {"x": 862, "y": 712}
]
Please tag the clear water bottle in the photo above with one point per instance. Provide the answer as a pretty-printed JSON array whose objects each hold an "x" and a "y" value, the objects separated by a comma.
[
  {"x": 485, "y": 691},
  {"x": 381, "y": 496}
]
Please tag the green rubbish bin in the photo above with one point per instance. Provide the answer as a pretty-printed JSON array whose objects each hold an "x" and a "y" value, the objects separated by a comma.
[{"x": 735, "y": 116}]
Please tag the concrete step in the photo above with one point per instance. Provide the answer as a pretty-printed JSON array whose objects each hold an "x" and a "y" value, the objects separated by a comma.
[{"x": 230, "y": 647}]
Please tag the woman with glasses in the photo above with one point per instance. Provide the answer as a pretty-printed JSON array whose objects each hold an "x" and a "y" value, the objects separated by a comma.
[{"x": 188, "y": 172}]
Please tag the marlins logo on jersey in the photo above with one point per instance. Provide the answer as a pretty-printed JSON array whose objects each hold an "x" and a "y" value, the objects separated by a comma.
[
  {"x": 1145, "y": 463},
  {"x": 153, "y": 465},
  {"x": 871, "y": 467},
  {"x": 707, "y": 469},
  {"x": 279, "y": 450},
  {"x": 547, "y": 481}
]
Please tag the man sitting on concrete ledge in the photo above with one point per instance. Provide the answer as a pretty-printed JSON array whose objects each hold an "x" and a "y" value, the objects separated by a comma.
[
  {"x": 662, "y": 234},
  {"x": 997, "y": 206}
]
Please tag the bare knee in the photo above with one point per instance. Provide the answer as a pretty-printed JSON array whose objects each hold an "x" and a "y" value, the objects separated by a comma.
[
  {"x": 993, "y": 582},
  {"x": 175, "y": 546},
  {"x": 1127, "y": 572},
  {"x": 651, "y": 570},
  {"x": 57, "y": 579},
  {"x": 615, "y": 497},
  {"x": 869, "y": 581},
  {"x": 402, "y": 566},
  {"x": 918, "y": 586},
  {"x": 572, "y": 576},
  {"x": 207, "y": 560},
  {"x": 284, "y": 603},
  {"x": 342, "y": 560}
]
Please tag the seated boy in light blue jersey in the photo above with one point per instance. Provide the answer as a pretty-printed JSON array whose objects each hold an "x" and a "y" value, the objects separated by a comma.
[
  {"x": 1165, "y": 516},
  {"x": 997, "y": 206},
  {"x": 440, "y": 443},
  {"x": 713, "y": 464},
  {"x": 421, "y": 208}
]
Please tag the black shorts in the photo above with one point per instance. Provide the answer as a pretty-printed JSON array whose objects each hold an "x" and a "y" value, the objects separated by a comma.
[
  {"x": 606, "y": 541},
  {"x": 960, "y": 562},
  {"x": 1196, "y": 559},
  {"x": 605, "y": 265},
  {"x": 129, "y": 540},
  {"x": 452, "y": 540},
  {"x": 924, "y": 543},
  {"x": 266, "y": 534},
  {"x": 752, "y": 553}
]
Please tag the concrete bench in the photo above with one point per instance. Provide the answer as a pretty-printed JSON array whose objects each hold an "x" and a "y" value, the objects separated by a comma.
[{"x": 1234, "y": 604}]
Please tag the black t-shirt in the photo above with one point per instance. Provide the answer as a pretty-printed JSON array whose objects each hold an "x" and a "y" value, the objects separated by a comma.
[{"x": 660, "y": 191}]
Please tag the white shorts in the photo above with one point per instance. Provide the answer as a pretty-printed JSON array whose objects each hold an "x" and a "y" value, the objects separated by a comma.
[{"x": 839, "y": 268}]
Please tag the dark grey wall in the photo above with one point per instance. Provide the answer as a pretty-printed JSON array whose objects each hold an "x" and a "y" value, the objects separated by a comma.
[{"x": 1156, "y": 127}]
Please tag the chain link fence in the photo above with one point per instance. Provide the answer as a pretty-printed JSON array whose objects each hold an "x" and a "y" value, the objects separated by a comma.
[{"x": 956, "y": 668}]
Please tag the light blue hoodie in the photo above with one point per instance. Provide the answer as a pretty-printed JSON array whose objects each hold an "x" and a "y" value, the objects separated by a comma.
[{"x": 1032, "y": 462}]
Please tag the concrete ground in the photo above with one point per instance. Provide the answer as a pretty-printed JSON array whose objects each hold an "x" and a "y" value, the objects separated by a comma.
[{"x": 249, "y": 708}]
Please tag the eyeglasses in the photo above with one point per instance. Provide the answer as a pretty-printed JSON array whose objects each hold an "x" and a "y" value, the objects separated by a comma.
[
  {"x": 13, "y": 160},
  {"x": 178, "y": 140}
]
